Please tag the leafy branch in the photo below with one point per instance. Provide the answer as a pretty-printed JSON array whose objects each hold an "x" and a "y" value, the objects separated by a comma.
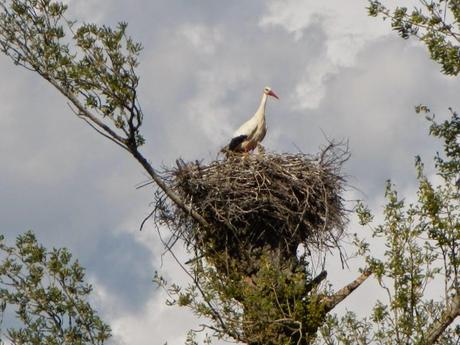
[
  {"x": 93, "y": 67},
  {"x": 48, "y": 292},
  {"x": 434, "y": 23}
]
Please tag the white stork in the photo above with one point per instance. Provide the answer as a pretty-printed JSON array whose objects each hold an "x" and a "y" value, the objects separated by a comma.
[{"x": 252, "y": 132}]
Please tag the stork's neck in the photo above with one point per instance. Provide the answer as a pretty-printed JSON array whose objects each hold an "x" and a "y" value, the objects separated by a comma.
[{"x": 260, "y": 113}]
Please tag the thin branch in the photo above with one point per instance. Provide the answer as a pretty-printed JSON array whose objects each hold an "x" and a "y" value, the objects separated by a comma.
[
  {"x": 84, "y": 112},
  {"x": 102, "y": 133},
  {"x": 331, "y": 302},
  {"x": 167, "y": 190},
  {"x": 215, "y": 314},
  {"x": 102, "y": 127},
  {"x": 146, "y": 219},
  {"x": 316, "y": 281}
]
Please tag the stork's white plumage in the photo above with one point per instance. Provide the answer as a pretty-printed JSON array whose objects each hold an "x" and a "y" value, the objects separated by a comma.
[{"x": 252, "y": 132}]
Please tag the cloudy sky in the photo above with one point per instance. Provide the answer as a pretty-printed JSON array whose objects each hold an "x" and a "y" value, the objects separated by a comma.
[{"x": 337, "y": 72}]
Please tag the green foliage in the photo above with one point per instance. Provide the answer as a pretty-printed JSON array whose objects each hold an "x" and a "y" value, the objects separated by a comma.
[
  {"x": 422, "y": 254},
  {"x": 435, "y": 23},
  {"x": 278, "y": 304},
  {"x": 422, "y": 240},
  {"x": 94, "y": 67},
  {"x": 449, "y": 131},
  {"x": 48, "y": 293}
]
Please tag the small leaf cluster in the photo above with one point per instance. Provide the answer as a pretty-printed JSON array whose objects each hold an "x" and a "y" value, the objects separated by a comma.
[
  {"x": 434, "y": 23},
  {"x": 47, "y": 291},
  {"x": 449, "y": 131}
]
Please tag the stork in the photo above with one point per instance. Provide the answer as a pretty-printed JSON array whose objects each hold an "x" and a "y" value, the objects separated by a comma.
[{"x": 252, "y": 132}]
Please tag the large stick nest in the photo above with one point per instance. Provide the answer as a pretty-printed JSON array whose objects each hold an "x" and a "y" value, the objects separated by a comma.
[{"x": 274, "y": 200}]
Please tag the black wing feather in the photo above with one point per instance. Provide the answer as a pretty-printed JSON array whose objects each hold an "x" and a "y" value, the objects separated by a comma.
[{"x": 236, "y": 141}]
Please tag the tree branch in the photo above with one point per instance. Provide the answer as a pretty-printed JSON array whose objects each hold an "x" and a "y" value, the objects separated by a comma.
[
  {"x": 123, "y": 142},
  {"x": 85, "y": 112},
  {"x": 167, "y": 190},
  {"x": 316, "y": 281},
  {"x": 331, "y": 302},
  {"x": 437, "y": 328}
]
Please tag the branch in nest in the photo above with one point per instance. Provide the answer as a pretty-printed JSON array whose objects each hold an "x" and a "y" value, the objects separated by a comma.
[{"x": 173, "y": 196}]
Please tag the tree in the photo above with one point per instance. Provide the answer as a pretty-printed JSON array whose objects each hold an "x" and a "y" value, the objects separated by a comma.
[
  {"x": 95, "y": 71},
  {"x": 94, "y": 67},
  {"x": 48, "y": 293},
  {"x": 266, "y": 294},
  {"x": 247, "y": 276},
  {"x": 422, "y": 239},
  {"x": 422, "y": 242}
]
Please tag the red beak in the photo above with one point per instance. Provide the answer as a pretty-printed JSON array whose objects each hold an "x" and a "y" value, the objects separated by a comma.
[{"x": 271, "y": 93}]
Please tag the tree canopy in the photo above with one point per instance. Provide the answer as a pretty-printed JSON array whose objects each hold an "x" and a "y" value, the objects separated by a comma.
[
  {"x": 48, "y": 293},
  {"x": 280, "y": 297}
]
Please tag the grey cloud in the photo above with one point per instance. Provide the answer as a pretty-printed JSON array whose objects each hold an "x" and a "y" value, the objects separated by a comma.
[
  {"x": 77, "y": 190},
  {"x": 243, "y": 63},
  {"x": 372, "y": 106},
  {"x": 124, "y": 269}
]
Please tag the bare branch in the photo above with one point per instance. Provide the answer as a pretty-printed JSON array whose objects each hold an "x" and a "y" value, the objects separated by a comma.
[
  {"x": 101, "y": 127},
  {"x": 316, "y": 281},
  {"x": 332, "y": 301},
  {"x": 167, "y": 190},
  {"x": 101, "y": 132},
  {"x": 85, "y": 112}
]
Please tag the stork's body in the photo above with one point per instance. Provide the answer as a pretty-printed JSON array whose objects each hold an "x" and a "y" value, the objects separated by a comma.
[{"x": 252, "y": 132}]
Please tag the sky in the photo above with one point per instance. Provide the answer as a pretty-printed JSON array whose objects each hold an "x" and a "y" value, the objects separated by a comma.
[{"x": 339, "y": 74}]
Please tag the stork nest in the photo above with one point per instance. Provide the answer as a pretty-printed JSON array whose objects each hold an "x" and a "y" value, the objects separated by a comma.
[{"x": 258, "y": 201}]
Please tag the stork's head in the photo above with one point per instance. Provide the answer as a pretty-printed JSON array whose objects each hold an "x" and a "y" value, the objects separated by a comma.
[{"x": 269, "y": 92}]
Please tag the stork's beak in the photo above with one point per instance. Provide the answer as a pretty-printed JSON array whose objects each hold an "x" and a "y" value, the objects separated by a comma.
[{"x": 271, "y": 93}]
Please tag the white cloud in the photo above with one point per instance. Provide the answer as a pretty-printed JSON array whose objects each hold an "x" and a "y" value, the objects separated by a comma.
[
  {"x": 346, "y": 24},
  {"x": 207, "y": 108},
  {"x": 158, "y": 324},
  {"x": 202, "y": 38},
  {"x": 155, "y": 322},
  {"x": 89, "y": 11},
  {"x": 347, "y": 29},
  {"x": 309, "y": 92}
]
